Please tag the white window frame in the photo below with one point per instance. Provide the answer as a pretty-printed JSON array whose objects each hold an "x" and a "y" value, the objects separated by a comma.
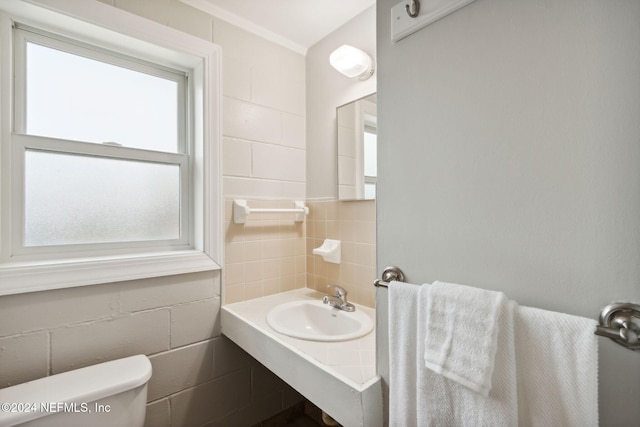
[{"x": 26, "y": 270}]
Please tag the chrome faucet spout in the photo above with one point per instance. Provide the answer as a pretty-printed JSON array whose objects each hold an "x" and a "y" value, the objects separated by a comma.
[
  {"x": 339, "y": 300},
  {"x": 340, "y": 291}
]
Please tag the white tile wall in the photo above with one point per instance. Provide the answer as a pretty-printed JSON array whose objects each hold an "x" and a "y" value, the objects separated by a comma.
[
  {"x": 158, "y": 414},
  {"x": 250, "y": 121},
  {"x": 195, "y": 321},
  {"x": 239, "y": 187},
  {"x": 23, "y": 358},
  {"x": 223, "y": 395},
  {"x": 109, "y": 339},
  {"x": 273, "y": 89},
  {"x": 293, "y": 131},
  {"x": 237, "y": 79},
  {"x": 278, "y": 163},
  {"x": 166, "y": 291},
  {"x": 237, "y": 157},
  {"x": 24, "y": 313},
  {"x": 184, "y": 368}
]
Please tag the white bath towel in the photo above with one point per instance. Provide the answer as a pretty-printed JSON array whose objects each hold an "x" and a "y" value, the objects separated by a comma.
[
  {"x": 462, "y": 332},
  {"x": 403, "y": 348},
  {"x": 557, "y": 369},
  {"x": 443, "y": 401}
]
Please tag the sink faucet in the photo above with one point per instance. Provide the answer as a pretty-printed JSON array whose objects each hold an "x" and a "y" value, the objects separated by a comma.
[{"x": 339, "y": 300}]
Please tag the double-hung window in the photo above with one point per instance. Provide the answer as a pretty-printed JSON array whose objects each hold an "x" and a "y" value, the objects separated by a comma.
[
  {"x": 105, "y": 156},
  {"x": 100, "y": 149}
]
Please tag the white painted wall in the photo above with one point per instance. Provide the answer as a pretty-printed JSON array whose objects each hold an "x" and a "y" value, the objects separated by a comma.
[
  {"x": 326, "y": 90},
  {"x": 509, "y": 159}
]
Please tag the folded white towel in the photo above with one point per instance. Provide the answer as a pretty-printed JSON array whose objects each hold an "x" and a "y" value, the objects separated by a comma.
[
  {"x": 557, "y": 357},
  {"x": 446, "y": 402},
  {"x": 462, "y": 331},
  {"x": 403, "y": 348}
]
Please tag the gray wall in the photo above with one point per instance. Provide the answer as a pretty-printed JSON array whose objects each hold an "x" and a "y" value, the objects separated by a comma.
[{"x": 509, "y": 159}]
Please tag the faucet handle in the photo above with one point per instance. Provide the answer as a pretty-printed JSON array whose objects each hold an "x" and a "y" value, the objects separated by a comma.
[{"x": 340, "y": 291}]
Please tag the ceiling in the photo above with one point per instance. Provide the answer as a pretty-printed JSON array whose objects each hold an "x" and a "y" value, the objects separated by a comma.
[{"x": 297, "y": 24}]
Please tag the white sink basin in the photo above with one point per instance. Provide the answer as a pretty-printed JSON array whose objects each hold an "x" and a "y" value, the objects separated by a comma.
[{"x": 315, "y": 321}]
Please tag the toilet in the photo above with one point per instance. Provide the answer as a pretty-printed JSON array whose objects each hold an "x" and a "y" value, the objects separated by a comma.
[{"x": 110, "y": 394}]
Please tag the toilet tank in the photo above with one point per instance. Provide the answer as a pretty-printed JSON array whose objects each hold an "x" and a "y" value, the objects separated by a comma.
[{"x": 109, "y": 394}]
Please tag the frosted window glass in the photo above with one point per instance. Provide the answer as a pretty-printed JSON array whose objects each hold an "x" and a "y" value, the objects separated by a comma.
[
  {"x": 77, "y": 98},
  {"x": 370, "y": 154},
  {"x": 369, "y": 191},
  {"x": 73, "y": 199}
]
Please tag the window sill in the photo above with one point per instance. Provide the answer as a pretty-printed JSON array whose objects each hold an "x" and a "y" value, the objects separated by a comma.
[{"x": 38, "y": 276}]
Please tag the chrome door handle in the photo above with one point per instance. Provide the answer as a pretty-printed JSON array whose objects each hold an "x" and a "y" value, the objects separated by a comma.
[{"x": 621, "y": 323}]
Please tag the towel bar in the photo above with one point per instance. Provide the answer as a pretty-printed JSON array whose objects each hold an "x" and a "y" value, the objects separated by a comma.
[
  {"x": 388, "y": 275},
  {"x": 618, "y": 321},
  {"x": 241, "y": 210}
]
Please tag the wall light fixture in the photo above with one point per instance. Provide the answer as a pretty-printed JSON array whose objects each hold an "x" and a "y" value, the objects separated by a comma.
[{"x": 352, "y": 62}]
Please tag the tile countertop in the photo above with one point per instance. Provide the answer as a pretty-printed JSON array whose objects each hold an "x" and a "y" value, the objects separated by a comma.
[{"x": 352, "y": 381}]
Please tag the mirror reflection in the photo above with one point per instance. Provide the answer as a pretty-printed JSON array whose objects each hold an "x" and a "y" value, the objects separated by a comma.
[{"x": 357, "y": 149}]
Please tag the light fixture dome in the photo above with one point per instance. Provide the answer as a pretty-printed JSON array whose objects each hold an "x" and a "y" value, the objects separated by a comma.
[{"x": 352, "y": 62}]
